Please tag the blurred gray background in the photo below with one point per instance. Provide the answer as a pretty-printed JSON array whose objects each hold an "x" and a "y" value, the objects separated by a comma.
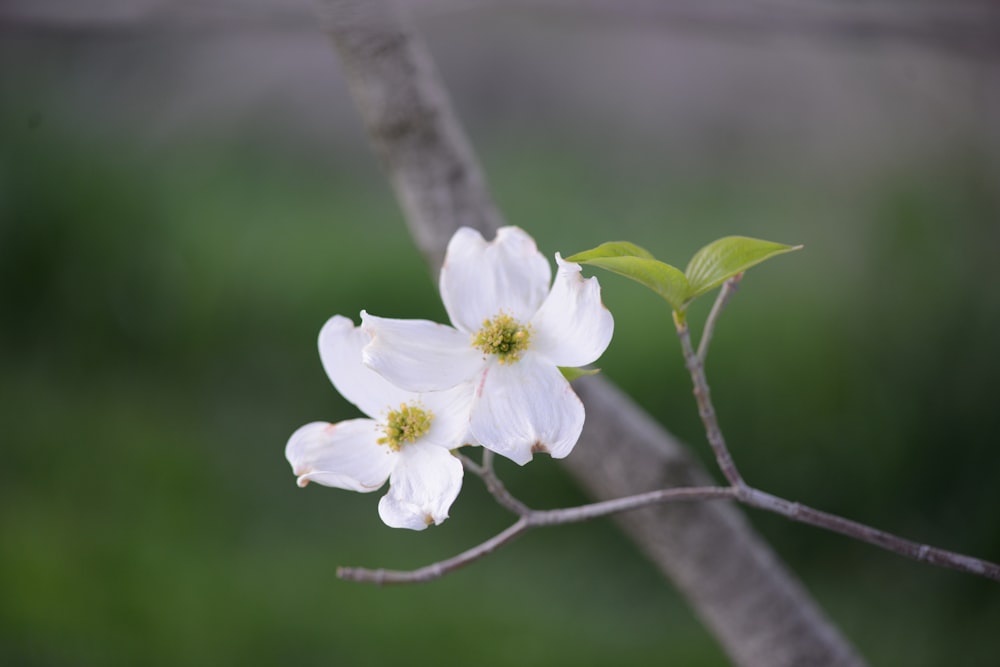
[{"x": 186, "y": 194}]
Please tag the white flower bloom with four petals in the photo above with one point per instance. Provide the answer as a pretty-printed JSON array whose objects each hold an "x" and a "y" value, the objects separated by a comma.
[
  {"x": 511, "y": 334},
  {"x": 406, "y": 440}
]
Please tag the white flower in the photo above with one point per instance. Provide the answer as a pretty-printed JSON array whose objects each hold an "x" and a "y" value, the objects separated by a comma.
[
  {"x": 407, "y": 440},
  {"x": 511, "y": 334}
]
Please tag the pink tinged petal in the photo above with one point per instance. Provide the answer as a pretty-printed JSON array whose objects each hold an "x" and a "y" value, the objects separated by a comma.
[
  {"x": 525, "y": 408},
  {"x": 572, "y": 328},
  {"x": 340, "y": 345},
  {"x": 479, "y": 280},
  {"x": 422, "y": 487},
  {"x": 344, "y": 455},
  {"x": 418, "y": 355}
]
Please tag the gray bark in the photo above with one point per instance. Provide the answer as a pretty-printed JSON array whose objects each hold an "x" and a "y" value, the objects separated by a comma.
[{"x": 758, "y": 610}]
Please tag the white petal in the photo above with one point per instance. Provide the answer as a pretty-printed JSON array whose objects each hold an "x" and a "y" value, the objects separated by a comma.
[
  {"x": 526, "y": 407},
  {"x": 422, "y": 487},
  {"x": 344, "y": 455},
  {"x": 451, "y": 409},
  {"x": 340, "y": 345},
  {"x": 419, "y": 355},
  {"x": 572, "y": 328},
  {"x": 479, "y": 280}
]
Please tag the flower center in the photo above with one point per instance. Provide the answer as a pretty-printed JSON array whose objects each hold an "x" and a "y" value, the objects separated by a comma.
[
  {"x": 503, "y": 336},
  {"x": 407, "y": 424}
]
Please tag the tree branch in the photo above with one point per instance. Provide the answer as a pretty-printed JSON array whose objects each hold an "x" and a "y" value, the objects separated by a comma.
[
  {"x": 528, "y": 519},
  {"x": 859, "y": 531},
  {"x": 738, "y": 490},
  {"x": 437, "y": 570},
  {"x": 532, "y": 519}
]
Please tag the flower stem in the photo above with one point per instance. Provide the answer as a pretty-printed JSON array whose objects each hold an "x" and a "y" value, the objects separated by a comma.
[{"x": 493, "y": 483}]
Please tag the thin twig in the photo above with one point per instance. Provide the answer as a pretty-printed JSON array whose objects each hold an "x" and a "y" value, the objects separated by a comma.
[
  {"x": 469, "y": 464},
  {"x": 706, "y": 410},
  {"x": 533, "y": 519},
  {"x": 488, "y": 459},
  {"x": 728, "y": 290},
  {"x": 604, "y": 508},
  {"x": 493, "y": 483},
  {"x": 859, "y": 531},
  {"x": 437, "y": 570},
  {"x": 745, "y": 494}
]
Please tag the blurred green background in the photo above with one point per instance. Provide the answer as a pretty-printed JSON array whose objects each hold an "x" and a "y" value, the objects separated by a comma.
[{"x": 174, "y": 232}]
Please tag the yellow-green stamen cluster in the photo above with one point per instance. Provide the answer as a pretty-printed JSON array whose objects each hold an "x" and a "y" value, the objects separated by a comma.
[
  {"x": 407, "y": 424},
  {"x": 503, "y": 336}
]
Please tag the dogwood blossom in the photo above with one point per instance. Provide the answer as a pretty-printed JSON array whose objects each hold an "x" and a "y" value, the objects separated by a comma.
[
  {"x": 406, "y": 439},
  {"x": 510, "y": 335}
]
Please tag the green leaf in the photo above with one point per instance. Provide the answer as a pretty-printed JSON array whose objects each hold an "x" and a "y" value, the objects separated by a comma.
[
  {"x": 722, "y": 259},
  {"x": 629, "y": 260},
  {"x": 611, "y": 249},
  {"x": 571, "y": 373}
]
